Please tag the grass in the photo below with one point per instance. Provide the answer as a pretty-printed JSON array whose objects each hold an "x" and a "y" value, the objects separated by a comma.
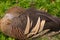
[{"x": 52, "y": 7}]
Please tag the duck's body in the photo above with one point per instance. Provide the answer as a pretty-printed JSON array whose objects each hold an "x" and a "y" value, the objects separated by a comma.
[{"x": 15, "y": 25}]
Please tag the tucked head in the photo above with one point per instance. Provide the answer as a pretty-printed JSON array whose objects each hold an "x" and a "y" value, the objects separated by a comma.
[{"x": 15, "y": 10}]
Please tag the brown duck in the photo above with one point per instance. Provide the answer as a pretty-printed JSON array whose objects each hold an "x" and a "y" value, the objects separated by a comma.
[{"x": 24, "y": 24}]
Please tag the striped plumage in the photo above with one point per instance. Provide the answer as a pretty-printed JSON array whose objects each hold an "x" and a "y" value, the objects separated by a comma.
[{"x": 25, "y": 24}]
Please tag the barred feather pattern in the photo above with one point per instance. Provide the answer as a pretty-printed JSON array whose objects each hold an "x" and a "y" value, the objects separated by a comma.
[{"x": 38, "y": 27}]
